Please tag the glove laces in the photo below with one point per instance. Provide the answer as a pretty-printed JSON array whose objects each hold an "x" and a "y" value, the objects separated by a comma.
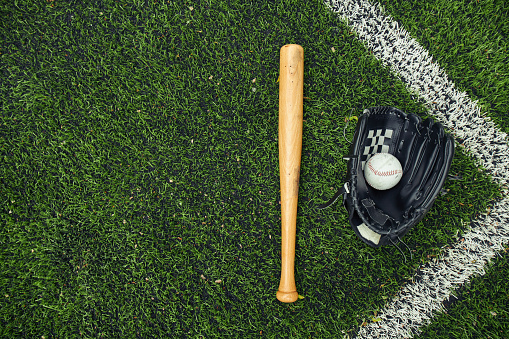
[{"x": 399, "y": 249}]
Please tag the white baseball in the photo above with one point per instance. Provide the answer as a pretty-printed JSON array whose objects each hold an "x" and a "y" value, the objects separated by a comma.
[{"x": 383, "y": 171}]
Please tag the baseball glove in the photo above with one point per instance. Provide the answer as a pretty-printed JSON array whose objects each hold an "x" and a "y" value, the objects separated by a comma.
[{"x": 425, "y": 152}]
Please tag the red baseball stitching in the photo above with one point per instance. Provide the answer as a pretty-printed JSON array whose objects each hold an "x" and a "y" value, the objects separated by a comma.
[{"x": 383, "y": 174}]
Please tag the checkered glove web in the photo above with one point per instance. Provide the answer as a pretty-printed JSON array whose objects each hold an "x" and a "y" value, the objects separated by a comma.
[{"x": 425, "y": 153}]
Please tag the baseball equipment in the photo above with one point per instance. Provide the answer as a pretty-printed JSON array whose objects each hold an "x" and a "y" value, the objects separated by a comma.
[
  {"x": 383, "y": 171},
  {"x": 291, "y": 95},
  {"x": 425, "y": 152}
]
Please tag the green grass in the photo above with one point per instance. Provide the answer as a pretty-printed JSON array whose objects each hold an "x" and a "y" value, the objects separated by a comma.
[{"x": 139, "y": 180}]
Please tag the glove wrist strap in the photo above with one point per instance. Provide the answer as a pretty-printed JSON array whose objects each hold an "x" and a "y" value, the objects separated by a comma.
[{"x": 343, "y": 191}]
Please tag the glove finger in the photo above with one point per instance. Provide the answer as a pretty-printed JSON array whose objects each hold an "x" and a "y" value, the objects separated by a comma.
[
  {"x": 417, "y": 152},
  {"x": 408, "y": 140},
  {"x": 435, "y": 135},
  {"x": 422, "y": 159},
  {"x": 439, "y": 172}
]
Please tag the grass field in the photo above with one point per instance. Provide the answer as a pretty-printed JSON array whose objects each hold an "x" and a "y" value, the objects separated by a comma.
[{"x": 139, "y": 176}]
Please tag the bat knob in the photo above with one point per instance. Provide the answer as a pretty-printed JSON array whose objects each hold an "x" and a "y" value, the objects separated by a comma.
[{"x": 287, "y": 297}]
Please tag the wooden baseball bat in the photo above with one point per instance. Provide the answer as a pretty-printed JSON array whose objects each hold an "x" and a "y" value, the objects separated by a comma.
[{"x": 291, "y": 88}]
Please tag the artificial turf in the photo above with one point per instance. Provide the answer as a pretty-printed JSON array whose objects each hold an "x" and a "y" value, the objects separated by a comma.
[
  {"x": 139, "y": 178},
  {"x": 469, "y": 39},
  {"x": 479, "y": 309}
]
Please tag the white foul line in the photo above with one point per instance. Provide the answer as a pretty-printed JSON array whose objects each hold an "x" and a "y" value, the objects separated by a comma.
[{"x": 416, "y": 303}]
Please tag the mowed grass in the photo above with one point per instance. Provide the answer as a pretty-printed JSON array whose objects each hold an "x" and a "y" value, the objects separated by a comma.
[{"x": 140, "y": 184}]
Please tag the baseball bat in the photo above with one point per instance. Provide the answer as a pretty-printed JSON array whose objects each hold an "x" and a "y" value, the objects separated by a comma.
[{"x": 291, "y": 93}]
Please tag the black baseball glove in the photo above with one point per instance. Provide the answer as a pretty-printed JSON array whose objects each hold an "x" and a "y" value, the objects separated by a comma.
[{"x": 425, "y": 153}]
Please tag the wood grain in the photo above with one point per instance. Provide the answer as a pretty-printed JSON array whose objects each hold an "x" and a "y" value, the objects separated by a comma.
[{"x": 291, "y": 93}]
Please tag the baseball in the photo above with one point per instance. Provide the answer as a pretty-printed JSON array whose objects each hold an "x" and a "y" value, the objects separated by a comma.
[{"x": 383, "y": 171}]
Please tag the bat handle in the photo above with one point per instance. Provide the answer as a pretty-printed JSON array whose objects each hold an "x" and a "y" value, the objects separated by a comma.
[{"x": 287, "y": 291}]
